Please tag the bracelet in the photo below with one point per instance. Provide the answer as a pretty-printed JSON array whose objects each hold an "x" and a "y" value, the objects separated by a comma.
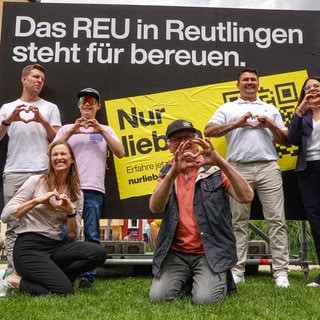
[
  {"x": 71, "y": 215},
  {"x": 5, "y": 123}
]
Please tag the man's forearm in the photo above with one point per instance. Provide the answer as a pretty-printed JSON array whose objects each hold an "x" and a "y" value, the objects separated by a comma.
[
  {"x": 218, "y": 130},
  {"x": 241, "y": 190},
  {"x": 160, "y": 196}
]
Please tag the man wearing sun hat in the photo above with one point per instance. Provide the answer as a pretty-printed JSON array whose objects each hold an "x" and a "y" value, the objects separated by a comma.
[
  {"x": 196, "y": 248},
  {"x": 90, "y": 141}
]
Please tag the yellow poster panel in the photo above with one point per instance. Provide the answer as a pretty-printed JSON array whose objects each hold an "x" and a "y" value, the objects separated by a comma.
[{"x": 140, "y": 123}]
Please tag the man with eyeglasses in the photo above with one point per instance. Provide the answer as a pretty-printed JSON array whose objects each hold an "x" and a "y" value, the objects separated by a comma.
[
  {"x": 252, "y": 127},
  {"x": 90, "y": 141},
  {"x": 30, "y": 123},
  {"x": 195, "y": 248}
]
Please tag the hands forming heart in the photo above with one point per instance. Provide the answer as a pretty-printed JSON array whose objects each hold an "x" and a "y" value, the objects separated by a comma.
[
  {"x": 60, "y": 202},
  {"x": 189, "y": 156},
  {"x": 55, "y": 201},
  {"x": 313, "y": 96},
  {"x": 87, "y": 126},
  {"x": 253, "y": 122},
  {"x": 26, "y": 115}
]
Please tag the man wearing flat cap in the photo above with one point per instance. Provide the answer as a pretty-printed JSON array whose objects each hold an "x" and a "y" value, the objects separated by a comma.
[
  {"x": 196, "y": 248},
  {"x": 90, "y": 140}
]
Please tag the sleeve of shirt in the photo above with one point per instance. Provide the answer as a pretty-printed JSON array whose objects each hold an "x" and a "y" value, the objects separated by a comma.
[
  {"x": 279, "y": 121},
  {"x": 276, "y": 116},
  {"x": 218, "y": 117},
  {"x": 55, "y": 118},
  {"x": 295, "y": 130},
  {"x": 60, "y": 132},
  {"x": 111, "y": 132},
  {"x": 2, "y": 114},
  {"x": 25, "y": 193}
]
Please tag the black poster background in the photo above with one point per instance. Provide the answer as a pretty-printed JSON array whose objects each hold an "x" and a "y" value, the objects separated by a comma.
[{"x": 113, "y": 81}]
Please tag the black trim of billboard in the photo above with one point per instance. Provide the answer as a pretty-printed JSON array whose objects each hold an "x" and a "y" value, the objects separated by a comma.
[{"x": 68, "y": 31}]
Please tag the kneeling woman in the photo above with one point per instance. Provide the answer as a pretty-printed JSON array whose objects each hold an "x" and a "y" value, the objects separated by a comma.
[{"x": 47, "y": 257}]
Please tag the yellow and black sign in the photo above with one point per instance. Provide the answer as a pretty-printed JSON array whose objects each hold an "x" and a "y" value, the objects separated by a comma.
[
  {"x": 141, "y": 122},
  {"x": 152, "y": 65}
]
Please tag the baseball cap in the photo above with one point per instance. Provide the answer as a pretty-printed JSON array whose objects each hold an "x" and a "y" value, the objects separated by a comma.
[
  {"x": 89, "y": 92},
  {"x": 179, "y": 125}
]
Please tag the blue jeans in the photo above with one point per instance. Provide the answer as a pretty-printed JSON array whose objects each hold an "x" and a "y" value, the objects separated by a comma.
[
  {"x": 92, "y": 208},
  {"x": 182, "y": 274}
]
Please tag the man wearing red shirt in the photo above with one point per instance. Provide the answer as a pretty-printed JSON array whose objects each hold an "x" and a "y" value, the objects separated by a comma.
[{"x": 196, "y": 248}]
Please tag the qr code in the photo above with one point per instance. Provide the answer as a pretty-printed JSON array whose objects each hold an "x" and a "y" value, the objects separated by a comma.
[{"x": 284, "y": 96}]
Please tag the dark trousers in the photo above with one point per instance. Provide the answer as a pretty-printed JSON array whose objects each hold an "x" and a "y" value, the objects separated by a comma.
[
  {"x": 51, "y": 266},
  {"x": 309, "y": 183}
]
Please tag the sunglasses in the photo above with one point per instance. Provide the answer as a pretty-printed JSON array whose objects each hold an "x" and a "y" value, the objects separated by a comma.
[{"x": 90, "y": 100}]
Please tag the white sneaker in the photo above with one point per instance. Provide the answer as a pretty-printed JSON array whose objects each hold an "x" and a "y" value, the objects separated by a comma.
[
  {"x": 238, "y": 279},
  {"x": 5, "y": 287},
  {"x": 313, "y": 284},
  {"x": 282, "y": 282}
]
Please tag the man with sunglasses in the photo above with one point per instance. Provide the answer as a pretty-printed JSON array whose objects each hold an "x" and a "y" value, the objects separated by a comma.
[{"x": 90, "y": 141}]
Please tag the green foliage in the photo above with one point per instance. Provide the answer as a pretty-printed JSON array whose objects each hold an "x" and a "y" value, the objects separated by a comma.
[
  {"x": 127, "y": 298},
  {"x": 294, "y": 229}
]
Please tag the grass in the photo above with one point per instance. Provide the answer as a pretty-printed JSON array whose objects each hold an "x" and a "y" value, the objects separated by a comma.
[
  {"x": 121, "y": 298},
  {"x": 127, "y": 298}
]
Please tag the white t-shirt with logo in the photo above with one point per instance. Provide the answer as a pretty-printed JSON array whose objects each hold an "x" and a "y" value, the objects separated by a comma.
[{"x": 249, "y": 144}]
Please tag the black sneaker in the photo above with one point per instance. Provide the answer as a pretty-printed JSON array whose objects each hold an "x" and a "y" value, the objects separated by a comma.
[
  {"x": 84, "y": 283},
  {"x": 315, "y": 282},
  {"x": 317, "y": 279}
]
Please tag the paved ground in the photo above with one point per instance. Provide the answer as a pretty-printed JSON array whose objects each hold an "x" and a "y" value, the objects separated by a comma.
[{"x": 291, "y": 267}]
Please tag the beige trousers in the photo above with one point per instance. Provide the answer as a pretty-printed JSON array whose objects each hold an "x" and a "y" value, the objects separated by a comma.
[{"x": 266, "y": 180}]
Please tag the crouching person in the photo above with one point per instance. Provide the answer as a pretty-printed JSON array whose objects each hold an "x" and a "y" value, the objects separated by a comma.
[
  {"x": 46, "y": 255},
  {"x": 196, "y": 248}
]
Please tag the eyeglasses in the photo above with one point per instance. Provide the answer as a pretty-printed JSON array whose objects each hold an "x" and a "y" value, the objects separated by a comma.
[
  {"x": 90, "y": 100},
  {"x": 311, "y": 86},
  {"x": 178, "y": 140}
]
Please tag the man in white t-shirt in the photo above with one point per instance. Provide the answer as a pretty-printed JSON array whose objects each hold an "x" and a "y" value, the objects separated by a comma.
[
  {"x": 90, "y": 142},
  {"x": 31, "y": 124},
  {"x": 252, "y": 127}
]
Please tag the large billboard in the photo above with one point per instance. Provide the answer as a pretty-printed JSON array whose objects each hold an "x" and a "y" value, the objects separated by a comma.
[{"x": 155, "y": 64}]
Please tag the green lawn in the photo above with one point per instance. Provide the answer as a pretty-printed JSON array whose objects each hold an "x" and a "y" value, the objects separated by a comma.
[{"x": 124, "y": 298}]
